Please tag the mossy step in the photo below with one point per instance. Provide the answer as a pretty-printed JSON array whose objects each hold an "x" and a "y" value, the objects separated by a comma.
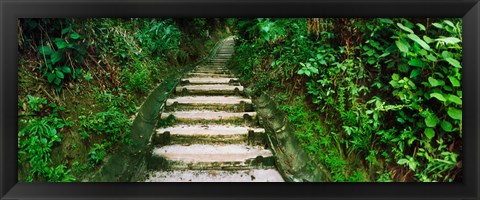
[
  {"x": 219, "y": 67},
  {"x": 224, "y": 55},
  {"x": 209, "y": 134},
  {"x": 206, "y": 116},
  {"x": 254, "y": 175},
  {"x": 210, "y": 89},
  {"x": 212, "y": 71},
  {"x": 209, "y": 75},
  {"x": 203, "y": 156},
  {"x": 208, "y": 80},
  {"x": 218, "y": 103}
]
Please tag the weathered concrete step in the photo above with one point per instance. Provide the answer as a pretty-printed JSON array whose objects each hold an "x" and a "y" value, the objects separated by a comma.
[
  {"x": 218, "y": 61},
  {"x": 200, "y": 75},
  {"x": 255, "y": 175},
  {"x": 202, "y": 156},
  {"x": 224, "y": 55},
  {"x": 212, "y": 71},
  {"x": 212, "y": 66},
  {"x": 220, "y": 58},
  {"x": 218, "y": 103},
  {"x": 219, "y": 67},
  {"x": 211, "y": 89},
  {"x": 209, "y": 134},
  {"x": 208, "y": 80},
  {"x": 206, "y": 116}
]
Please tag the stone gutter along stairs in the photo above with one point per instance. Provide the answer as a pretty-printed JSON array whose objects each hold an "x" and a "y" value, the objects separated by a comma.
[{"x": 215, "y": 136}]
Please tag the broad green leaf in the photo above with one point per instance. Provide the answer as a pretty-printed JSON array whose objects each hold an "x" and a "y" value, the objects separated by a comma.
[
  {"x": 429, "y": 132},
  {"x": 438, "y": 96},
  {"x": 449, "y": 40},
  {"x": 57, "y": 81},
  {"x": 412, "y": 165},
  {"x": 66, "y": 30},
  {"x": 402, "y": 161},
  {"x": 61, "y": 43},
  {"x": 45, "y": 50},
  {"x": 448, "y": 22},
  {"x": 404, "y": 28},
  {"x": 66, "y": 70},
  {"x": 385, "y": 20},
  {"x": 59, "y": 74},
  {"x": 395, "y": 77},
  {"x": 401, "y": 46},
  {"x": 434, "y": 82},
  {"x": 307, "y": 72},
  {"x": 421, "y": 26},
  {"x": 453, "y": 62},
  {"x": 394, "y": 84},
  {"x": 75, "y": 36},
  {"x": 446, "y": 54},
  {"x": 419, "y": 41},
  {"x": 432, "y": 58},
  {"x": 423, "y": 52},
  {"x": 455, "y": 99},
  {"x": 438, "y": 25},
  {"x": 454, "y": 81},
  {"x": 415, "y": 73},
  {"x": 446, "y": 126},
  {"x": 447, "y": 88},
  {"x": 454, "y": 113},
  {"x": 415, "y": 62},
  {"x": 50, "y": 77},
  {"x": 55, "y": 57},
  {"x": 411, "y": 84},
  {"x": 427, "y": 39},
  {"x": 431, "y": 120}
]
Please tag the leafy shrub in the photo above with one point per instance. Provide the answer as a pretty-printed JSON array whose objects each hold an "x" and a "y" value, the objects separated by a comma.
[
  {"x": 97, "y": 153},
  {"x": 387, "y": 90},
  {"x": 112, "y": 124},
  {"x": 35, "y": 143}
]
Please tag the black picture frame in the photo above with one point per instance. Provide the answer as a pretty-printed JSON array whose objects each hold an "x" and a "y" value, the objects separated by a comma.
[{"x": 12, "y": 10}]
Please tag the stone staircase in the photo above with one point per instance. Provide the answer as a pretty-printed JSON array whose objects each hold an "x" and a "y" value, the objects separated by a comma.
[{"x": 215, "y": 136}]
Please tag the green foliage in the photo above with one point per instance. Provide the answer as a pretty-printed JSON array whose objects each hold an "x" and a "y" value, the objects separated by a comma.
[
  {"x": 61, "y": 53},
  {"x": 112, "y": 124},
  {"x": 36, "y": 103},
  {"x": 389, "y": 90},
  {"x": 36, "y": 141},
  {"x": 97, "y": 153},
  {"x": 111, "y": 63}
]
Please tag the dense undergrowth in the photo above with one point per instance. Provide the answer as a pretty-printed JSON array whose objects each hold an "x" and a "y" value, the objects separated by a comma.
[
  {"x": 82, "y": 80},
  {"x": 372, "y": 99}
]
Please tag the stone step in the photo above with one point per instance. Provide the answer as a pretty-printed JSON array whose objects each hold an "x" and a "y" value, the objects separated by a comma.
[
  {"x": 211, "y": 89},
  {"x": 224, "y": 55},
  {"x": 208, "y": 80},
  {"x": 212, "y": 66},
  {"x": 211, "y": 134},
  {"x": 218, "y": 103},
  {"x": 200, "y": 75},
  {"x": 254, "y": 175},
  {"x": 203, "y": 156},
  {"x": 206, "y": 116},
  {"x": 218, "y": 61},
  {"x": 219, "y": 67},
  {"x": 212, "y": 70}
]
